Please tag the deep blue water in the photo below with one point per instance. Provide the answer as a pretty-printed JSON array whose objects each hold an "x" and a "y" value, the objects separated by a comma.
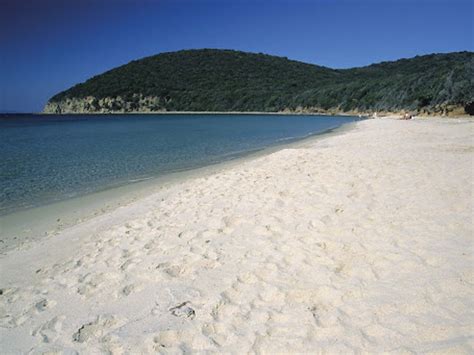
[{"x": 50, "y": 158}]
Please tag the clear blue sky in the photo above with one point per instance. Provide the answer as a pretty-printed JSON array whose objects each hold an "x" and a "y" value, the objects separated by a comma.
[{"x": 49, "y": 45}]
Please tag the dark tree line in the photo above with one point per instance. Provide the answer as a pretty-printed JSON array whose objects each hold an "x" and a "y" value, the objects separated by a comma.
[{"x": 226, "y": 80}]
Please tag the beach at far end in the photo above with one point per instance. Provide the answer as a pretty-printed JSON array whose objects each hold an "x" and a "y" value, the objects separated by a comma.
[{"x": 356, "y": 242}]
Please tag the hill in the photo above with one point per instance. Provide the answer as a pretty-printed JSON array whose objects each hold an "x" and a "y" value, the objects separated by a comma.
[{"x": 227, "y": 80}]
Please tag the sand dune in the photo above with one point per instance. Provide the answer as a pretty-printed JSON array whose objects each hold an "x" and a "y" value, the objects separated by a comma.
[{"x": 358, "y": 242}]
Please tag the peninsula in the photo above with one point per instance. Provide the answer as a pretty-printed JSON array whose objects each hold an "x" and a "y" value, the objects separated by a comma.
[{"x": 213, "y": 80}]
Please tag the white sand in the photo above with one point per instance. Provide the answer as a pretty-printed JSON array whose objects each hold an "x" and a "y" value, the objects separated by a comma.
[{"x": 356, "y": 242}]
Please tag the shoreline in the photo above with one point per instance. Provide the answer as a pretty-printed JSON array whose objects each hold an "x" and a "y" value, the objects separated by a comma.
[
  {"x": 364, "y": 114},
  {"x": 23, "y": 227},
  {"x": 250, "y": 113},
  {"x": 394, "y": 115},
  {"x": 358, "y": 242}
]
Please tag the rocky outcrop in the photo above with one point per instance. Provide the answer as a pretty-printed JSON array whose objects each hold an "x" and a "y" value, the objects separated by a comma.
[
  {"x": 90, "y": 104},
  {"x": 149, "y": 104}
]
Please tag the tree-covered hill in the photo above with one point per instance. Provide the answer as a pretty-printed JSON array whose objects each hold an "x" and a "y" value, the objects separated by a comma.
[{"x": 227, "y": 80}]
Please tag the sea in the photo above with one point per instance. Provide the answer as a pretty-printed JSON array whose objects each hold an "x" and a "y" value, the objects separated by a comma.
[{"x": 48, "y": 158}]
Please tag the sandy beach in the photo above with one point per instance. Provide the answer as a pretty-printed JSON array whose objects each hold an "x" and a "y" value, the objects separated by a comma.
[{"x": 356, "y": 242}]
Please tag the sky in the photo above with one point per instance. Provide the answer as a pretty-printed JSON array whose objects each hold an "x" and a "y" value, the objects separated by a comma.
[{"x": 47, "y": 46}]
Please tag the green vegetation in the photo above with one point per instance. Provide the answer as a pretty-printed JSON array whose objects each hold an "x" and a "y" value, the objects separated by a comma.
[{"x": 226, "y": 80}]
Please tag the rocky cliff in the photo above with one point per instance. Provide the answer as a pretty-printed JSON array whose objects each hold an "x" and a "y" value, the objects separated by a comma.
[{"x": 117, "y": 104}]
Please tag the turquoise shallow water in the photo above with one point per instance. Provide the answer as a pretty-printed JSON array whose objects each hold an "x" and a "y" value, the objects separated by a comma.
[{"x": 51, "y": 158}]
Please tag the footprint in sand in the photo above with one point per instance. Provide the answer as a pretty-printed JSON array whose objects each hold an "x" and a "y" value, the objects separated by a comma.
[
  {"x": 96, "y": 329},
  {"x": 26, "y": 312},
  {"x": 183, "y": 310},
  {"x": 167, "y": 341},
  {"x": 171, "y": 270},
  {"x": 43, "y": 304},
  {"x": 129, "y": 289},
  {"x": 49, "y": 331}
]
